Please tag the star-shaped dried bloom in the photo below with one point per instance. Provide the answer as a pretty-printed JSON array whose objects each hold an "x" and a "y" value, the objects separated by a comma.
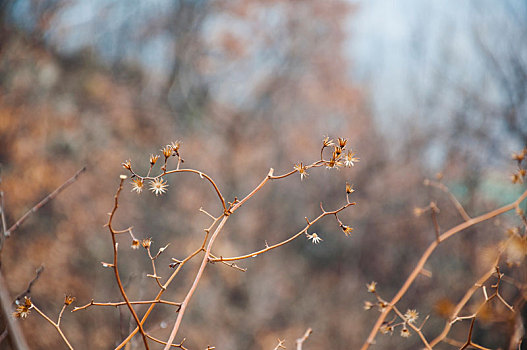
[
  {"x": 350, "y": 159},
  {"x": 302, "y": 170},
  {"x": 316, "y": 239},
  {"x": 372, "y": 286},
  {"x": 23, "y": 309},
  {"x": 138, "y": 185},
  {"x": 342, "y": 142},
  {"x": 158, "y": 186},
  {"x": 411, "y": 315}
]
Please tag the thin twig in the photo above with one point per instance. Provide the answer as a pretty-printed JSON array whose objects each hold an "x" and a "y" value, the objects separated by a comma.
[
  {"x": 56, "y": 325},
  {"x": 44, "y": 201},
  {"x": 30, "y": 284},
  {"x": 120, "y": 303},
  {"x": 300, "y": 341}
]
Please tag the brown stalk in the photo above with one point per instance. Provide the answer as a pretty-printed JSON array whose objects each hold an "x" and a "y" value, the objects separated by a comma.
[
  {"x": 426, "y": 255},
  {"x": 115, "y": 267}
]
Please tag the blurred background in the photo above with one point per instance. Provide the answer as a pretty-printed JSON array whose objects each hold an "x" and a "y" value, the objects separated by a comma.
[{"x": 418, "y": 88}]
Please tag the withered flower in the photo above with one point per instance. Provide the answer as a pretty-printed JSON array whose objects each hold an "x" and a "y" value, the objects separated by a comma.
[
  {"x": 68, "y": 299},
  {"x": 23, "y": 309},
  {"x": 349, "y": 188},
  {"x": 138, "y": 185},
  {"x": 327, "y": 142},
  {"x": 405, "y": 333},
  {"x": 302, "y": 170},
  {"x": 386, "y": 328},
  {"x": 342, "y": 142},
  {"x": 135, "y": 243},
  {"x": 158, "y": 186},
  {"x": 350, "y": 159},
  {"x": 347, "y": 230},
  {"x": 146, "y": 243},
  {"x": 372, "y": 286},
  {"x": 411, "y": 315},
  {"x": 153, "y": 159},
  {"x": 316, "y": 239},
  {"x": 127, "y": 164},
  {"x": 167, "y": 151},
  {"x": 175, "y": 145}
]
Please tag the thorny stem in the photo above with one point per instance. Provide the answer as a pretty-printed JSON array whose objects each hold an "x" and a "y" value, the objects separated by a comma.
[
  {"x": 426, "y": 255},
  {"x": 274, "y": 246},
  {"x": 120, "y": 303},
  {"x": 115, "y": 267},
  {"x": 158, "y": 297},
  {"x": 56, "y": 325},
  {"x": 185, "y": 302}
]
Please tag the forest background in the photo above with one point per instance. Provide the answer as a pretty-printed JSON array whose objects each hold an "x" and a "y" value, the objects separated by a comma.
[{"x": 418, "y": 88}]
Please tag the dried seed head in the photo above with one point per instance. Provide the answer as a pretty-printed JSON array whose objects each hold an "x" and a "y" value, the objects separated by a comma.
[
  {"x": 153, "y": 159},
  {"x": 342, "y": 142},
  {"x": 326, "y": 142},
  {"x": 158, "y": 186},
  {"x": 349, "y": 188},
  {"x": 316, "y": 239},
  {"x": 127, "y": 164},
  {"x": 68, "y": 299},
  {"x": 411, "y": 315},
  {"x": 405, "y": 333},
  {"x": 23, "y": 309},
  {"x": 138, "y": 185},
  {"x": 167, "y": 151},
  {"x": 175, "y": 146},
  {"x": 372, "y": 287},
  {"x": 368, "y": 305},
  {"x": 302, "y": 170},
  {"x": 350, "y": 159},
  {"x": 146, "y": 243},
  {"x": 135, "y": 243},
  {"x": 347, "y": 230},
  {"x": 386, "y": 328}
]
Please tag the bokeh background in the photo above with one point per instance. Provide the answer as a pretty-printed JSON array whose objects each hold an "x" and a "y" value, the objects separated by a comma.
[{"x": 417, "y": 87}]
